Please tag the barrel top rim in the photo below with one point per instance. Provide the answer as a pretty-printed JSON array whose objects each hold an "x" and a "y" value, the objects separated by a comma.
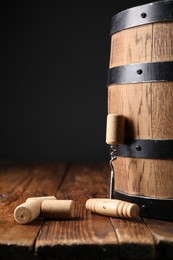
[
  {"x": 142, "y": 5},
  {"x": 122, "y": 16}
]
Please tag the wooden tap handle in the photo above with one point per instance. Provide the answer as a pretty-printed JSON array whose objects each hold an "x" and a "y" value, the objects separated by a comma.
[{"x": 113, "y": 207}]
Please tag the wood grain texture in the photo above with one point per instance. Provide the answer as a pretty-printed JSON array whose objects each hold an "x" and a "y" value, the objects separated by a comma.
[
  {"x": 146, "y": 43},
  {"x": 162, "y": 43},
  {"x": 162, "y": 106},
  {"x": 144, "y": 177},
  {"x": 17, "y": 183},
  {"x": 132, "y": 45},
  {"x": 147, "y": 108},
  {"x": 162, "y": 231},
  {"x": 88, "y": 235},
  {"x": 86, "y": 230},
  {"x": 134, "y": 101},
  {"x": 138, "y": 234}
]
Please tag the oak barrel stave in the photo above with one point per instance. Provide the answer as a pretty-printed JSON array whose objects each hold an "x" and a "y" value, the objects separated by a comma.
[{"x": 147, "y": 107}]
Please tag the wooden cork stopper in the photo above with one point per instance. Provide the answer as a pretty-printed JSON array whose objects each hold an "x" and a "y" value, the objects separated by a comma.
[
  {"x": 41, "y": 199},
  {"x": 58, "y": 209},
  {"x": 26, "y": 212},
  {"x": 113, "y": 208},
  {"x": 115, "y": 129}
]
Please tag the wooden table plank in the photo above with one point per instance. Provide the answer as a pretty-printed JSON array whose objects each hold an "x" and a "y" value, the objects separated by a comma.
[
  {"x": 88, "y": 235},
  {"x": 135, "y": 240},
  {"x": 17, "y": 183},
  {"x": 162, "y": 232}
]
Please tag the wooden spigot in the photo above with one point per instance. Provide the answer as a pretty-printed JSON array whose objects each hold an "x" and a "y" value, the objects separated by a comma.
[{"x": 113, "y": 208}]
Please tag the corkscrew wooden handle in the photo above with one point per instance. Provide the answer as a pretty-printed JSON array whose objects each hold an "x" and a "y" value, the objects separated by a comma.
[{"x": 113, "y": 208}]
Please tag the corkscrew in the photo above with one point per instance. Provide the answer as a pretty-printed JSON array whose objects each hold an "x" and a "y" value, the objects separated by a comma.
[
  {"x": 113, "y": 157},
  {"x": 113, "y": 207},
  {"x": 114, "y": 136}
]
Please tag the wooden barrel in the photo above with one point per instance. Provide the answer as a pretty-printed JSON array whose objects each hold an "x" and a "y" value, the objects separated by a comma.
[{"x": 140, "y": 87}]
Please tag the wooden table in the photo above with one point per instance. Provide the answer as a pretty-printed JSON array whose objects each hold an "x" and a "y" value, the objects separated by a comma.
[{"x": 88, "y": 235}]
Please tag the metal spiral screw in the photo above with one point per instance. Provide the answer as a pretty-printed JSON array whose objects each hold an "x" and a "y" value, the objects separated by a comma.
[{"x": 113, "y": 156}]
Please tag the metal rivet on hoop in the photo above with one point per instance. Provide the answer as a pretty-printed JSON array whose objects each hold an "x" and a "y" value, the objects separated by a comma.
[
  {"x": 143, "y": 15},
  {"x": 139, "y": 71},
  {"x": 138, "y": 148},
  {"x": 143, "y": 208}
]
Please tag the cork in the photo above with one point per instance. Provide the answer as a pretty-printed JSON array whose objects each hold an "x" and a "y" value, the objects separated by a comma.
[
  {"x": 42, "y": 198},
  {"x": 28, "y": 211},
  {"x": 58, "y": 209},
  {"x": 113, "y": 208},
  {"x": 115, "y": 128}
]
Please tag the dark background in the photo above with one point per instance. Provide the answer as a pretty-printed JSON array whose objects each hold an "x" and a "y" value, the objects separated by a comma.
[{"x": 54, "y": 58}]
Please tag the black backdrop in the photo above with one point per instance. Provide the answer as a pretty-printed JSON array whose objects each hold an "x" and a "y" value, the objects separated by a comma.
[{"x": 54, "y": 57}]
